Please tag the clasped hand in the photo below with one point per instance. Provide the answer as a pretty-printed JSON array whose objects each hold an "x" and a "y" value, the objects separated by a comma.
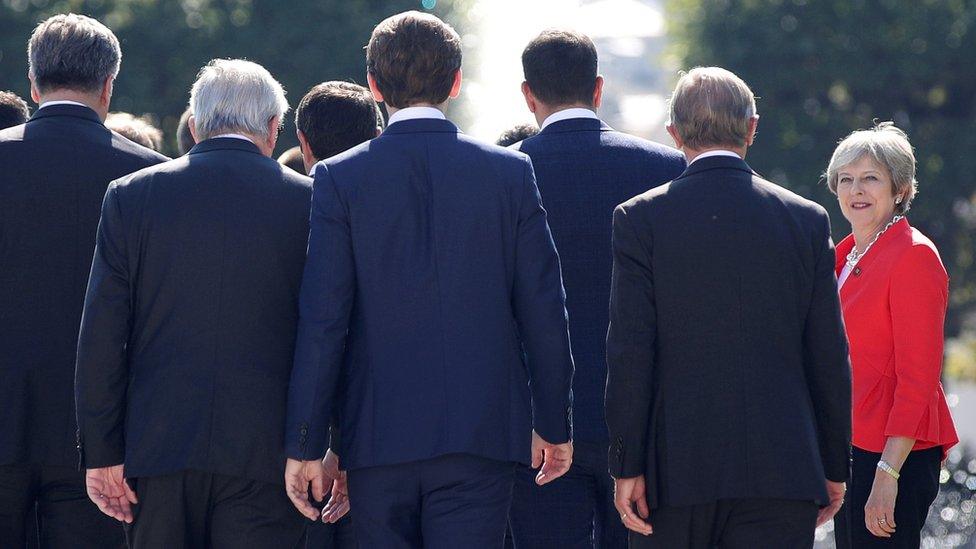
[{"x": 318, "y": 474}]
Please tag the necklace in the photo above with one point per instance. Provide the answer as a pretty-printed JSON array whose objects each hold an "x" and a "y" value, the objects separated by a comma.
[{"x": 854, "y": 256}]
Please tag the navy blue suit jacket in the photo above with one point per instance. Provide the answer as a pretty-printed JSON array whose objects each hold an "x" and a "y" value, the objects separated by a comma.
[
  {"x": 53, "y": 174},
  {"x": 584, "y": 169},
  {"x": 188, "y": 332},
  {"x": 432, "y": 306}
]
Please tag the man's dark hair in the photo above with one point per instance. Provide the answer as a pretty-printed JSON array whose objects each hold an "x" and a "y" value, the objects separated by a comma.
[
  {"x": 72, "y": 52},
  {"x": 13, "y": 110},
  {"x": 293, "y": 159},
  {"x": 516, "y": 133},
  {"x": 184, "y": 139},
  {"x": 336, "y": 116},
  {"x": 414, "y": 57},
  {"x": 560, "y": 67}
]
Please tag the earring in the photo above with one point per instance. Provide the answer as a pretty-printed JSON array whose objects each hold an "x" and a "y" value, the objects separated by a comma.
[{"x": 898, "y": 200}]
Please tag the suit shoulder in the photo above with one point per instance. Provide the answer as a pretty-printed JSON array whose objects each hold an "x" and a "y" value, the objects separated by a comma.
[
  {"x": 647, "y": 199},
  {"x": 789, "y": 198},
  {"x": 131, "y": 148}
]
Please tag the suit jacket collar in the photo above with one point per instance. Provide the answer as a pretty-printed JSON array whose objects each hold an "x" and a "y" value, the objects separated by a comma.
[
  {"x": 224, "y": 144},
  {"x": 75, "y": 111},
  {"x": 715, "y": 163},
  {"x": 421, "y": 125},
  {"x": 576, "y": 125}
]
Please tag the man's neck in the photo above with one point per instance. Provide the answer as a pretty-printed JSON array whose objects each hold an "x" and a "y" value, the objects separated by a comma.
[
  {"x": 390, "y": 110},
  {"x": 87, "y": 99},
  {"x": 691, "y": 154},
  {"x": 543, "y": 111}
]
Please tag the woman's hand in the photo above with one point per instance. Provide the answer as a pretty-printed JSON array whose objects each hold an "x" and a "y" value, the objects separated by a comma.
[{"x": 879, "y": 512}]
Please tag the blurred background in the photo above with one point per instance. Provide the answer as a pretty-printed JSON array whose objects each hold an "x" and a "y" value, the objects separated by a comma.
[{"x": 820, "y": 69}]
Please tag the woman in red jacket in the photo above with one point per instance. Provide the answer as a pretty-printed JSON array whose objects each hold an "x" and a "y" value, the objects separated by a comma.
[{"x": 894, "y": 291}]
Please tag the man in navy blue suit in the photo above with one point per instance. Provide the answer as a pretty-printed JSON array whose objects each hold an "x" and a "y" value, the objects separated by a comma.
[
  {"x": 584, "y": 169},
  {"x": 433, "y": 326}
]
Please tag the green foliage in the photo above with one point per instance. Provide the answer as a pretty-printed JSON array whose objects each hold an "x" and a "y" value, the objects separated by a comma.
[
  {"x": 823, "y": 68},
  {"x": 164, "y": 44}
]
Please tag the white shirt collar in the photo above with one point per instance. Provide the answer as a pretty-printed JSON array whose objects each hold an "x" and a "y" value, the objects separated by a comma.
[
  {"x": 566, "y": 114},
  {"x": 234, "y": 136},
  {"x": 717, "y": 152},
  {"x": 413, "y": 113},
  {"x": 61, "y": 102}
]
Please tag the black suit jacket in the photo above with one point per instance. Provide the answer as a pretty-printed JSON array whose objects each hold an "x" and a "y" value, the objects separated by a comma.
[
  {"x": 728, "y": 369},
  {"x": 189, "y": 326},
  {"x": 53, "y": 173},
  {"x": 584, "y": 169}
]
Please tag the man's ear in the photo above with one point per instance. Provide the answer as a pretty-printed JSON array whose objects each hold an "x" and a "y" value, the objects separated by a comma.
[
  {"x": 105, "y": 97},
  {"x": 598, "y": 92},
  {"x": 308, "y": 159},
  {"x": 673, "y": 132},
  {"x": 34, "y": 93},
  {"x": 379, "y": 130},
  {"x": 273, "y": 131},
  {"x": 373, "y": 88},
  {"x": 191, "y": 125},
  {"x": 751, "y": 133},
  {"x": 456, "y": 86},
  {"x": 530, "y": 101}
]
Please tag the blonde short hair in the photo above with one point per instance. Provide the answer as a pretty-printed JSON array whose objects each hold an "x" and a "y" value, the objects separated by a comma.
[
  {"x": 887, "y": 145},
  {"x": 711, "y": 107}
]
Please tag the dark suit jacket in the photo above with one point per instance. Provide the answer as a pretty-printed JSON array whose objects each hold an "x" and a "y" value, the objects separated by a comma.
[
  {"x": 189, "y": 325},
  {"x": 584, "y": 169},
  {"x": 431, "y": 251},
  {"x": 53, "y": 174},
  {"x": 728, "y": 371}
]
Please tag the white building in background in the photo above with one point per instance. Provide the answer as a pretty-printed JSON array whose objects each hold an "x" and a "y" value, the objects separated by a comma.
[{"x": 629, "y": 36}]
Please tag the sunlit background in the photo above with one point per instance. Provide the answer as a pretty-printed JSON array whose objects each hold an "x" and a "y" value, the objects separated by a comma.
[{"x": 820, "y": 68}]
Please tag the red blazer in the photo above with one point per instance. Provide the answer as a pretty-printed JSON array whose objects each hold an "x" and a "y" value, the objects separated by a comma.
[{"x": 894, "y": 304}]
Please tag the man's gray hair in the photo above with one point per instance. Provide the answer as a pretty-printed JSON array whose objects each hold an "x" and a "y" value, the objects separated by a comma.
[
  {"x": 712, "y": 107},
  {"x": 74, "y": 52},
  {"x": 234, "y": 95},
  {"x": 888, "y": 146}
]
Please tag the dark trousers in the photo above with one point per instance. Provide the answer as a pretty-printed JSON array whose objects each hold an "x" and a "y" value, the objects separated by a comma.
[
  {"x": 918, "y": 484},
  {"x": 732, "y": 524},
  {"x": 195, "y": 509},
  {"x": 451, "y": 501},
  {"x": 65, "y": 517},
  {"x": 578, "y": 507},
  {"x": 331, "y": 536}
]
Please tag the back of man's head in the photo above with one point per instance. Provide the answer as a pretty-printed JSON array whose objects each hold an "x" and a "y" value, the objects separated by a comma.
[
  {"x": 235, "y": 96},
  {"x": 184, "y": 138},
  {"x": 72, "y": 52},
  {"x": 560, "y": 67},
  {"x": 13, "y": 110},
  {"x": 336, "y": 116},
  {"x": 135, "y": 128},
  {"x": 414, "y": 58},
  {"x": 293, "y": 159},
  {"x": 712, "y": 107},
  {"x": 518, "y": 132}
]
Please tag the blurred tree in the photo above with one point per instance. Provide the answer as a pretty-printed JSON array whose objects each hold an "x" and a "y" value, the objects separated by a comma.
[
  {"x": 164, "y": 44},
  {"x": 824, "y": 68}
]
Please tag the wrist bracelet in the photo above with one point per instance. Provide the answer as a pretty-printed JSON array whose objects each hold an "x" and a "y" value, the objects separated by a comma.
[{"x": 887, "y": 468}]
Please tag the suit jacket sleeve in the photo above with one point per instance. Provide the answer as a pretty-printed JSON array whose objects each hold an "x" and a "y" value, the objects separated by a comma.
[
  {"x": 101, "y": 374},
  {"x": 825, "y": 361},
  {"x": 539, "y": 304},
  {"x": 918, "y": 296},
  {"x": 325, "y": 304},
  {"x": 630, "y": 349}
]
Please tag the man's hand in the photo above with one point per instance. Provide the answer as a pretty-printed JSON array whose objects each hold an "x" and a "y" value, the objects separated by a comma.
[
  {"x": 107, "y": 488},
  {"x": 298, "y": 475},
  {"x": 835, "y": 491},
  {"x": 626, "y": 493},
  {"x": 555, "y": 459},
  {"x": 338, "y": 504}
]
